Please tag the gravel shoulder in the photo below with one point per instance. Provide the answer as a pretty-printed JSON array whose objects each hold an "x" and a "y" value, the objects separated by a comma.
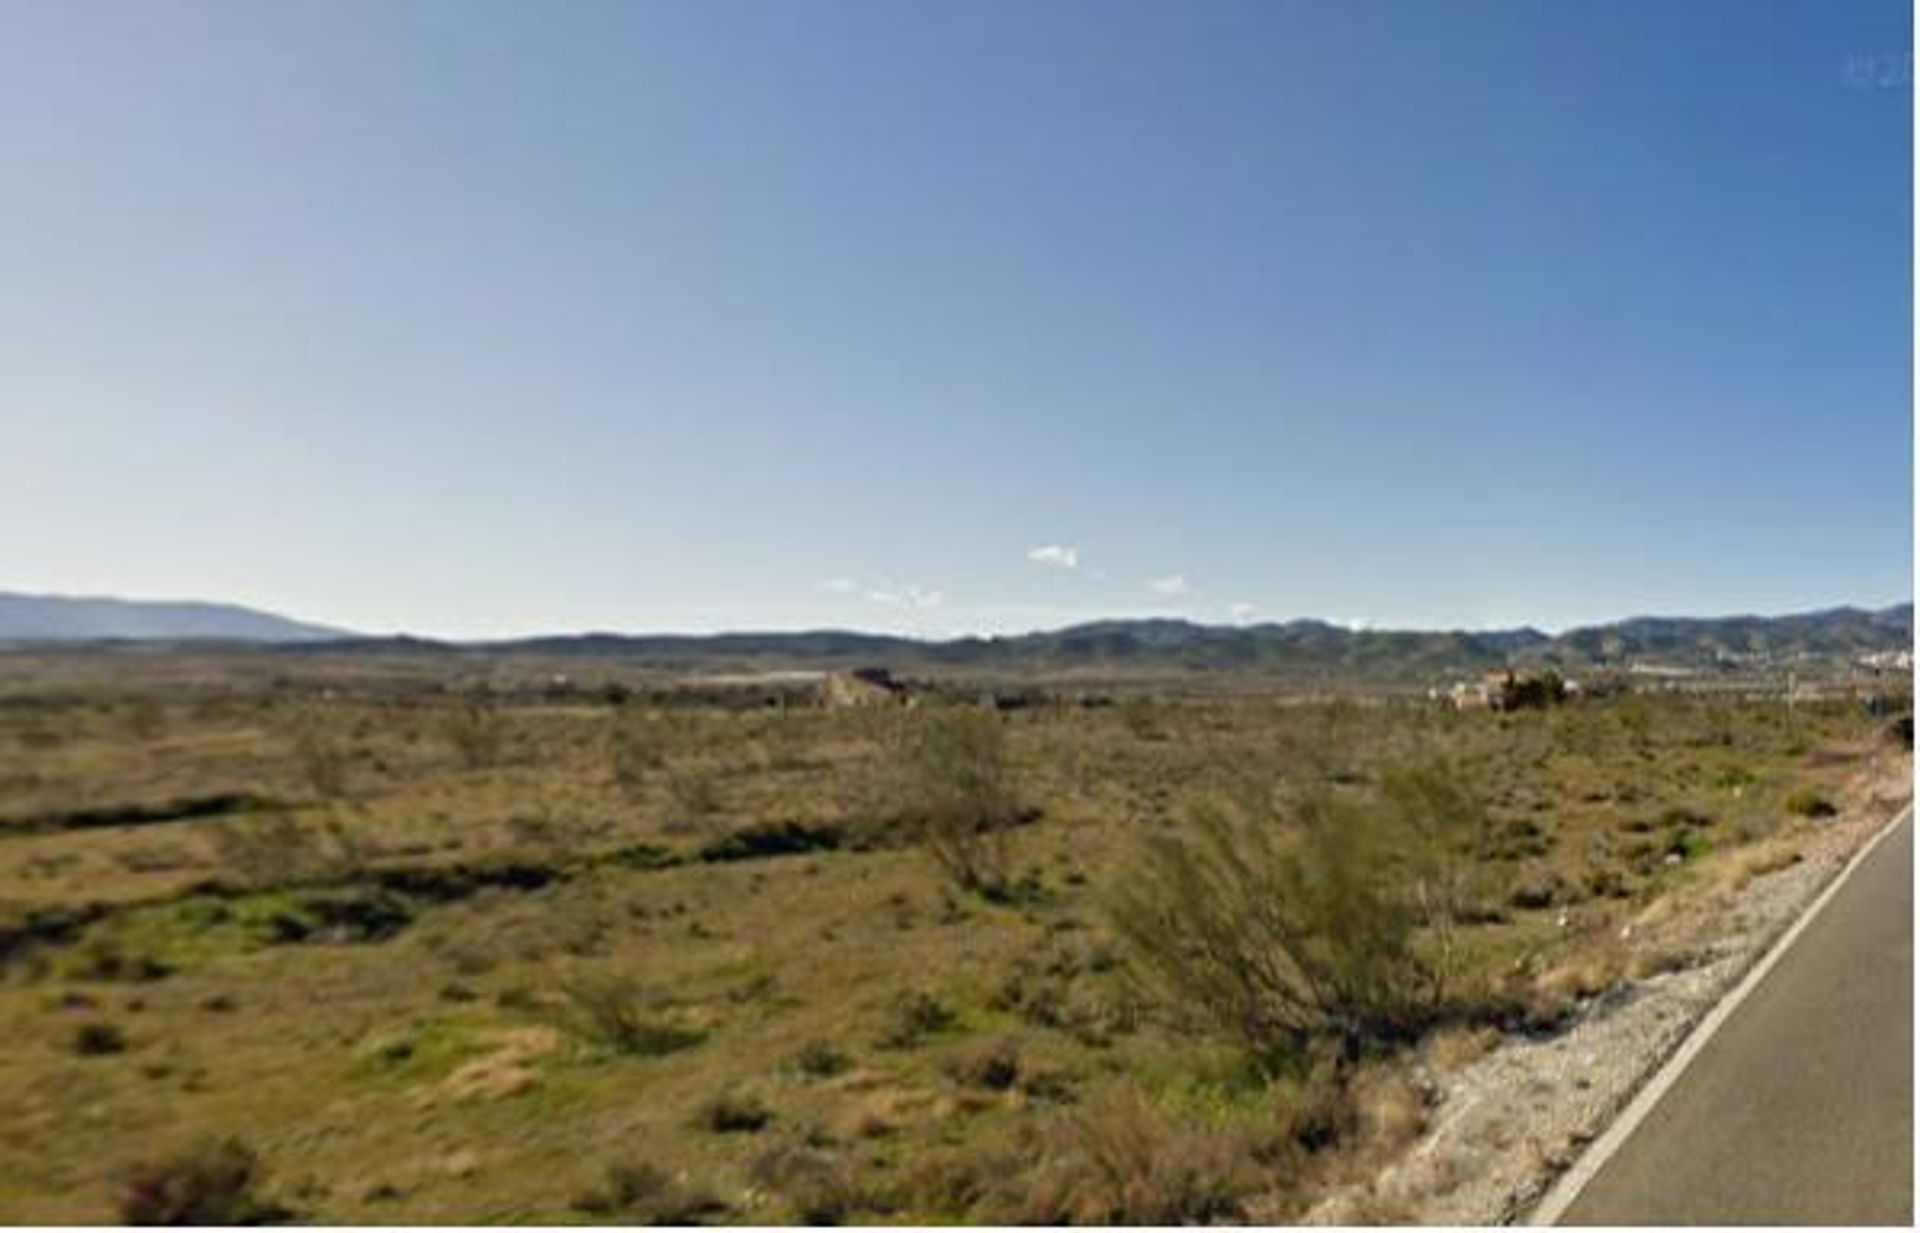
[{"x": 1502, "y": 1128}]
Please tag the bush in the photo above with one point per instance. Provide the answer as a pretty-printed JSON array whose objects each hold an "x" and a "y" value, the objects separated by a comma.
[
  {"x": 959, "y": 797},
  {"x": 820, "y": 1189},
  {"x": 916, "y": 1016},
  {"x": 734, "y": 1113},
  {"x": 98, "y": 1039},
  {"x": 645, "y": 1194},
  {"x": 819, "y": 1059},
  {"x": 1809, "y": 803},
  {"x": 994, "y": 1066},
  {"x": 215, "y": 1182},
  {"x": 1326, "y": 918},
  {"x": 615, "y": 1014}
]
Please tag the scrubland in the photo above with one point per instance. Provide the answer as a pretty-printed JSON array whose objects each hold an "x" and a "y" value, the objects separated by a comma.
[{"x": 445, "y": 956}]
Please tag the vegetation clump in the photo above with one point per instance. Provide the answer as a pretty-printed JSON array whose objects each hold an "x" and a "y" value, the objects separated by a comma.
[
  {"x": 1809, "y": 803},
  {"x": 959, "y": 797},
  {"x": 1321, "y": 918},
  {"x": 213, "y": 1182},
  {"x": 616, "y": 1014},
  {"x": 642, "y": 1193}
]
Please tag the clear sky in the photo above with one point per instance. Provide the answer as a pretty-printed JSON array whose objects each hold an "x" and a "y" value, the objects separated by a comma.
[{"x": 475, "y": 319}]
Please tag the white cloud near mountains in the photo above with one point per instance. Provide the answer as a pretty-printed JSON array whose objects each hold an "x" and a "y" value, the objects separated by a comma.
[
  {"x": 1170, "y": 586},
  {"x": 1241, "y": 612},
  {"x": 1055, "y": 556}
]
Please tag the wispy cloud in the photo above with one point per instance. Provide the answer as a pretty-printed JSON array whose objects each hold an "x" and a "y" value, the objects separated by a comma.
[
  {"x": 1170, "y": 586},
  {"x": 839, "y": 586},
  {"x": 908, "y": 596},
  {"x": 1241, "y": 612},
  {"x": 1055, "y": 556}
]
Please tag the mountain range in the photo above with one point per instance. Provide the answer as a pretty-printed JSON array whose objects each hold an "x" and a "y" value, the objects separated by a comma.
[
  {"x": 69, "y": 618},
  {"x": 1296, "y": 647}
]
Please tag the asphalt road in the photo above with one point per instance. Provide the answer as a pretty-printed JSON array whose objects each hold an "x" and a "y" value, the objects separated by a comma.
[{"x": 1799, "y": 1110}]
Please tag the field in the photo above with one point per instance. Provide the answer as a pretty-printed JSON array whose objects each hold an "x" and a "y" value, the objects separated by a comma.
[{"x": 387, "y": 948}]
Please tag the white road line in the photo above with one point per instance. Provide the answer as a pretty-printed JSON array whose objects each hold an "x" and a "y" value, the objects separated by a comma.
[{"x": 1575, "y": 1179}]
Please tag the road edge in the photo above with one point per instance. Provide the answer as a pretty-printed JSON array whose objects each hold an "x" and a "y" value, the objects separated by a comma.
[{"x": 1569, "y": 1185}]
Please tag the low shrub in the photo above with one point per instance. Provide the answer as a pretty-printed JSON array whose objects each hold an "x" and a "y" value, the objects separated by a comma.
[
  {"x": 645, "y": 1194},
  {"x": 1809, "y": 803},
  {"x": 733, "y": 1112},
  {"x": 915, "y": 1017},
  {"x": 1123, "y": 1162},
  {"x": 616, "y": 1014},
  {"x": 98, "y": 1039},
  {"x": 819, "y": 1059},
  {"x": 213, "y": 1182}
]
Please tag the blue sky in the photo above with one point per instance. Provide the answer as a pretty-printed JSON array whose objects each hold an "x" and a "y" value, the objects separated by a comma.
[{"x": 476, "y": 319}]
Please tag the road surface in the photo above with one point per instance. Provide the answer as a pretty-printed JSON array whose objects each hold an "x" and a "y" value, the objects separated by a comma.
[{"x": 1799, "y": 1110}]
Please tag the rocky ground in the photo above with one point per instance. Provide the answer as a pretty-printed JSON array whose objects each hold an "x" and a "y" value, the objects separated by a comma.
[{"x": 1502, "y": 1128}]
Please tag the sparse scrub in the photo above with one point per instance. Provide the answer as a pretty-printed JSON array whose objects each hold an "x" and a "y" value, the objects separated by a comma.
[
  {"x": 960, "y": 798},
  {"x": 734, "y": 1112},
  {"x": 636, "y": 749},
  {"x": 477, "y": 732},
  {"x": 1123, "y": 1162},
  {"x": 693, "y": 798},
  {"x": 1809, "y": 803},
  {"x": 215, "y": 1182},
  {"x": 325, "y": 761},
  {"x": 820, "y": 1059},
  {"x": 915, "y": 1017},
  {"x": 615, "y": 1013},
  {"x": 98, "y": 1039},
  {"x": 641, "y": 1193}
]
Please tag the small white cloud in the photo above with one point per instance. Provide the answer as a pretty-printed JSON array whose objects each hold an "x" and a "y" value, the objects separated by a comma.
[
  {"x": 1171, "y": 585},
  {"x": 908, "y": 596},
  {"x": 1241, "y": 612},
  {"x": 839, "y": 586},
  {"x": 1055, "y": 556}
]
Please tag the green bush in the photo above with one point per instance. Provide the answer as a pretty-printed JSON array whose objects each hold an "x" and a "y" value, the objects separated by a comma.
[{"x": 1324, "y": 918}]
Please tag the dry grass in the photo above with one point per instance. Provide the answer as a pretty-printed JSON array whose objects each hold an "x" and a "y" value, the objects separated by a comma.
[{"x": 433, "y": 989}]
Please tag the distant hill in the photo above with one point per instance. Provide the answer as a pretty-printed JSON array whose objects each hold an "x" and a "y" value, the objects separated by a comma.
[
  {"x": 1296, "y": 648},
  {"x": 66, "y": 618},
  {"x": 1831, "y": 632},
  {"x": 1304, "y": 649}
]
